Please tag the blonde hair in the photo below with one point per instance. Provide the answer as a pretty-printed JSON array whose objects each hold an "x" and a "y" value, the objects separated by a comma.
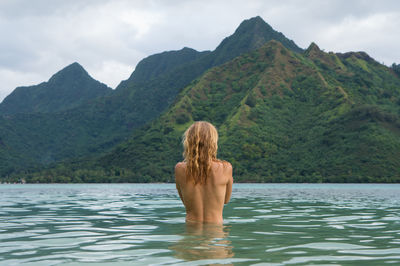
[{"x": 200, "y": 144}]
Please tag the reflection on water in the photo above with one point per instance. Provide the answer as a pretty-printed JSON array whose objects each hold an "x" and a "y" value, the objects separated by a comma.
[
  {"x": 144, "y": 224},
  {"x": 203, "y": 241}
]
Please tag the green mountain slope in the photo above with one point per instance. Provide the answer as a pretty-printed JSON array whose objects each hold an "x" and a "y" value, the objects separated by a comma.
[
  {"x": 154, "y": 90},
  {"x": 157, "y": 65},
  {"x": 40, "y": 139},
  {"x": 282, "y": 117},
  {"x": 40, "y": 124},
  {"x": 68, "y": 88},
  {"x": 94, "y": 127}
]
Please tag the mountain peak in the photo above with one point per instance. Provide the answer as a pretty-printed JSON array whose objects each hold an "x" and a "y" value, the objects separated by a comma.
[
  {"x": 72, "y": 70},
  {"x": 251, "y": 34},
  {"x": 74, "y": 64},
  {"x": 68, "y": 88},
  {"x": 159, "y": 64},
  {"x": 313, "y": 50},
  {"x": 255, "y": 23},
  {"x": 313, "y": 46}
]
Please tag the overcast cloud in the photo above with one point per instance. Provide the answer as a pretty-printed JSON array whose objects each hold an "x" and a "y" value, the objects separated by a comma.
[{"x": 109, "y": 37}]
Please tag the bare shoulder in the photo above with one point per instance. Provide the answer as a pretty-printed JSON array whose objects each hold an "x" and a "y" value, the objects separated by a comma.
[
  {"x": 180, "y": 165},
  {"x": 180, "y": 170},
  {"x": 224, "y": 164},
  {"x": 228, "y": 167},
  {"x": 223, "y": 167}
]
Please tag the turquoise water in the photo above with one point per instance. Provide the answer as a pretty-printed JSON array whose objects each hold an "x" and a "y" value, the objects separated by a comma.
[{"x": 143, "y": 224}]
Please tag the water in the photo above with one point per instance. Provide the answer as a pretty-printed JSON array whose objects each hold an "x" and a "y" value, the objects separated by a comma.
[{"x": 142, "y": 224}]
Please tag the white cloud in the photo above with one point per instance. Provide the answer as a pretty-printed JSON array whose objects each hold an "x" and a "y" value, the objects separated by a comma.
[
  {"x": 109, "y": 37},
  {"x": 18, "y": 77},
  {"x": 110, "y": 72},
  {"x": 373, "y": 34}
]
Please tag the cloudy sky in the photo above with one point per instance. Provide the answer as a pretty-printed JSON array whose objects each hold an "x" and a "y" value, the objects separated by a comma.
[{"x": 109, "y": 37}]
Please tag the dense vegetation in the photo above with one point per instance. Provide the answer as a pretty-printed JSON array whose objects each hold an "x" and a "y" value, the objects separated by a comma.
[
  {"x": 43, "y": 133},
  {"x": 396, "y": 69},
  {"x": 282, "y": 117}
]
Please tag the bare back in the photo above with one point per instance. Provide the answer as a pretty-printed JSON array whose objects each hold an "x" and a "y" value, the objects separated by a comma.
[{"x": 205, "y": 202}]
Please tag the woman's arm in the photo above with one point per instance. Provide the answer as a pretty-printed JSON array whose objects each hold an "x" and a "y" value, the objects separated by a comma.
[
  {"x": 178, "y": 178},
  {"x": 228, "y": 191}
]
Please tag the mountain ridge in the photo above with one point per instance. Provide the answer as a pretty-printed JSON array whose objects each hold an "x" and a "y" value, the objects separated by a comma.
[
  {"x": 68, "y": 88},
  {"x": 286, "y": 117},
  {"x": 159, "y": 93},
  {"x": 101, "y": 123},
  {"x": 300, "y": 117}
]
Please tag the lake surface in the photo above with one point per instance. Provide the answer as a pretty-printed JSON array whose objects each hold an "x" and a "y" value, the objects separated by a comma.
[{"x": 144, "y": 224}]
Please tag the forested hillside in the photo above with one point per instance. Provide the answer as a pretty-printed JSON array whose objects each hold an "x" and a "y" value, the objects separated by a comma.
[
  {"x": 52, "y": 121},
  {"x": 282, "y": 116}
]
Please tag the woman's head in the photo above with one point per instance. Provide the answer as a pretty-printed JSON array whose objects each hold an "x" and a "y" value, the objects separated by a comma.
[{"x": 200, "y": 144}]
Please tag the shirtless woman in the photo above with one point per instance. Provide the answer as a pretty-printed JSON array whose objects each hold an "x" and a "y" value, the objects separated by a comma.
[{"x": 204, "y": 183}]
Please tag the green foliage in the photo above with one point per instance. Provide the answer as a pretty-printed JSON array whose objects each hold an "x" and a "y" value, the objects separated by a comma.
[
  {"x": 309, "y": 125},
  {"x": 282, "y": 117},
  {"x": 396, "y": 69},
  {"x": 251, "y": 100},
  {"x": 62, "y": 120},
  {"x": 182, "y": 118}
]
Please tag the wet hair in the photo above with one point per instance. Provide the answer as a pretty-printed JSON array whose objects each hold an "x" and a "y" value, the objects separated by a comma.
[{"x": 200, "y": 144}]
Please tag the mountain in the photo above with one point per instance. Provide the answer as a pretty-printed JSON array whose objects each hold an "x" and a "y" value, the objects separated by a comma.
[
  {"x": 157, "y": 65},
  {"x": 153, "y": 90},
  {"x": 35, "y": 139},
  {"x": 40, "y": 124},
  {"x": 282, "y": 117},
  {"x": 68, "y": 88},
  {"x": 250, "y": 35},
  {"x": 54, "y": 130}
]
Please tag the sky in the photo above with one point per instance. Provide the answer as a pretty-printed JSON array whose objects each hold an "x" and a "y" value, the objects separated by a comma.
[{"x": 109, "y": 37}]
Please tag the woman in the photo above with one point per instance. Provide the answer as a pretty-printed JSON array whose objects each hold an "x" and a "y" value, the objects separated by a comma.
[{"x": 204, "y": 183}]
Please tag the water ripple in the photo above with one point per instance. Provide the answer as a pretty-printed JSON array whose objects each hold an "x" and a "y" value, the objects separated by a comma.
[{"x": 265, "y": 224}]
